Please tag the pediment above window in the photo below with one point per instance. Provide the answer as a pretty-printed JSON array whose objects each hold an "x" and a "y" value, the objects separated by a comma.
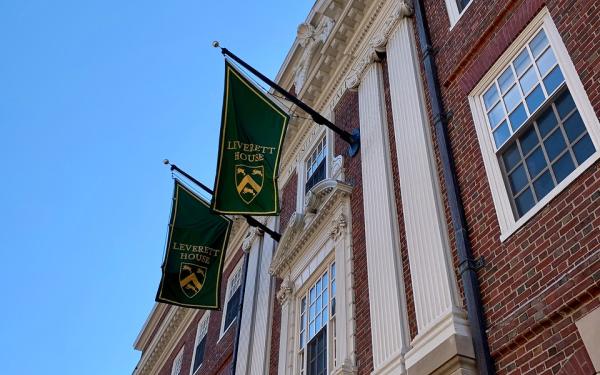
[{"x": 324, "y": 198}]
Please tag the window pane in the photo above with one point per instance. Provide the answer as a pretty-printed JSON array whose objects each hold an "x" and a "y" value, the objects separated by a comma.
[
  {"x": 496, "y": 115},
  {"x": 538, "y": 43},
  {"x": 522, "y": 62},
  {"x": 199, "y": 357},
  {"x": 528, "y": 140},
  {"x": 564, "y": 104},
  {"x": 583, "y": 149},
  {"x": 524, "y": 202},
  {"x": 501, "y": 134},
  {"x": 536, "y": 163},
  {"x": 511, "y": 157},
  {"x": 528, "y": 80},
  {"x": 512, "y": 98},
  {"x": 490, "y": 97},
  {"x": 553, "y": 80},
  {"x": 546, "y": 61},
  {"x": 563, "y": 167},
  {"x": 506, "y": 79},
  {"x": 543, "y": 185},
  {"x": 232, "y": 308},
  {"x": 547, "y": 122},
  {"x": 518, "y": 179},
  {"x": 574, "y": 126},
  {"x": 535, "y": 99},
  {"x": 555, "y": 144},
  {"x": 517, "y": 118}
]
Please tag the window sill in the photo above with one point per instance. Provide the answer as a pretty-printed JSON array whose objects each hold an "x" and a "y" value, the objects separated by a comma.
[{"x": 517, "y": 225}]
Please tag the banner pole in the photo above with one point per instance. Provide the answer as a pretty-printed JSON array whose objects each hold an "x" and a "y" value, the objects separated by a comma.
[
  {"x": 352, "y": 139},
  {"x": 251, "y": 221}
]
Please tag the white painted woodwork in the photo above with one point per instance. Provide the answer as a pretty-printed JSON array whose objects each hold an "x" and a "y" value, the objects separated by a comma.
[
  {"x": 389, "y": 328},
  {"x": 433, "y": 280}
]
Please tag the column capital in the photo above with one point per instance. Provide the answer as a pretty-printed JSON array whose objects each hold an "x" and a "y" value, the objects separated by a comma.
[
  {"x": 285, "y": 291},
  {"x": 251, "y": 234}
]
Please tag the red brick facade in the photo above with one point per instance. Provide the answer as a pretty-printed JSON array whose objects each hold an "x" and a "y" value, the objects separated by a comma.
[
  {"x": 544, "y": 277},
  {"x": 218, "y": 353}
]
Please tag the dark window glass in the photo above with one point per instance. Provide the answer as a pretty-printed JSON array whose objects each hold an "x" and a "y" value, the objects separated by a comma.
[
  {"x": 517, "y": 118},
  {"x": 536, "y": 162},
  {"x": 232, "y": 307},
  {"x": 547, "y": 122},
  {"x": 199, "y": 353},
  {"x": 528, "y": 140},
  {"x": 555, "y": 144},
  {"x": 583, "y": 149},
  {"x": 543, "y": 185},
  {"x": 501, "y": 134},
  {"x": 574, "y": 127},
  {"x": 462, "y": 4},
  {"x": 316, "y": 177},
  {"x": 563, "y": 167},
  {"x": 317, "y": 353},
  {"x": 518, "y": 179},
  {"x": 565, "y": 104},
  {"x": 511, "y": 157},
  {"x": 535, "y": 99},
  {"x": 553, "y": 80},
  {"x": 524, "y": 202}
]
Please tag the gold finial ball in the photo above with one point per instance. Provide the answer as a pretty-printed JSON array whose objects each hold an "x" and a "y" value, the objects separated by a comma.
[
  {"x": 216, "y": 44},
  {"x": 166, "y": 162}
]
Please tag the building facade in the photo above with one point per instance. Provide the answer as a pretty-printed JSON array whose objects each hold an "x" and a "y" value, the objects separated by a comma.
[{"x": 371, "y": 273}]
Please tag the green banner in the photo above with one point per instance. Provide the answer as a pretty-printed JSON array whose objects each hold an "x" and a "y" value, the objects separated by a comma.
[
  {"x": 191, "y": 271},
  {"x": 252, "y": 132}
]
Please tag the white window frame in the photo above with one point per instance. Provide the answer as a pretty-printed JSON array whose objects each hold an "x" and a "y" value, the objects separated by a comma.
[
  {"x": 201, "y": 333},
  {"x": 301, "y": 356},
  {"x": 177, "y": 362},
  {"x": 453, "y": 13},
  {"x": 236, "y": 270},
  {"x": 500, "y": 194},
  {"x": 319, "y": 135}
]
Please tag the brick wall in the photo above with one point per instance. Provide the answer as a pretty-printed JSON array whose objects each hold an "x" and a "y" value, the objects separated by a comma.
[
  {"x": 288, "y": 201},
  {"x": 545, "y": 276},
  {"x": 275, "y": 333},
  {"x": 218, "y": 352},
  {"x": 346, "y": 117}
]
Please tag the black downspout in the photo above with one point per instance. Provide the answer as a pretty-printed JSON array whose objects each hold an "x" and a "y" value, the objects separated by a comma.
[{"x": 467, "y": 267}]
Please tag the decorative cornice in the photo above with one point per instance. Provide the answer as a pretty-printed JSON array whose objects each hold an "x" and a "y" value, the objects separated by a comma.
[
  {"x": 300, "y": 231},
  {"x": 377, "y": 43}
]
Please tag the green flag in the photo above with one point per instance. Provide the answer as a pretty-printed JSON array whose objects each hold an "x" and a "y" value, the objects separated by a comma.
[
  {"x": 191, "y": 272},
  {"x": 252, "y": 132}
]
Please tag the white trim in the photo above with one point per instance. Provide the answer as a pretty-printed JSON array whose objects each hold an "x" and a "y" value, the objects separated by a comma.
[
  {"x": 178, "y": 359},
  {"x": 500, "y": 195},
  {"x": 453, "y": 14},
  {"x": 204, "y": 320},
  {"x": 238, "y": 268}
]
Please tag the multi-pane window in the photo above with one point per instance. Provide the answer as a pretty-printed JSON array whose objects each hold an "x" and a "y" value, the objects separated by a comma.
[
  {"x": 234, "y": 293},
  {"x": 177, "y": 363},
  {"x": 536, "y": 128},
  {"x": 200, "y": 344},
  {"x": 316, "y": 165},
  {"x": 317, "y": 326}
]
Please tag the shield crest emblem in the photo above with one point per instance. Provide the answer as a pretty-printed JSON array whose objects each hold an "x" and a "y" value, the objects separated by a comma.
[
  {"x": 191, "y": 278},
  {"x": 249, "y": 181}
]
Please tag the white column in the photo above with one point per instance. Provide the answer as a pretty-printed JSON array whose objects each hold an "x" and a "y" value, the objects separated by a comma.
[
  {"x": 262, "y": 316},
  {"x": 433, "y": 279},
  {"x": 286, "y": 336},
  {"x": 249, "y": 311},
  {"x": 389, "y": 327}
]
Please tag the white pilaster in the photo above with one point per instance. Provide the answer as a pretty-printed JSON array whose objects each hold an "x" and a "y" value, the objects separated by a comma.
[
  {"x": 433, "y": 279},
  {"x": 286, "y": 337},
  {"x": 389, "y": 327}
]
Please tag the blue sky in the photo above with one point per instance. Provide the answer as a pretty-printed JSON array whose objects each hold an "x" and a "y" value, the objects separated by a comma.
[{"x": 93, "y": 95}]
